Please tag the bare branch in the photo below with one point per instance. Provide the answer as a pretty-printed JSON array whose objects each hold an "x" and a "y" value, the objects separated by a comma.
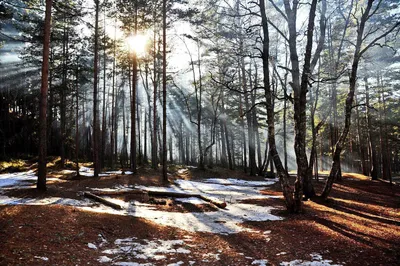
[
  {"x": 252, "y": 107},
  {"x": 372, "y": 43},
  {"x": 278, "y": 9},
  {"x": 278, "y": 30}
]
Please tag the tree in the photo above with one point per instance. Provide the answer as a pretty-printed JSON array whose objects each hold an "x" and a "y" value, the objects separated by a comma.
[
  {"x": 41, "y": 183},
  {"x": 361, "y": 47},
  {"x": 282, "y": 172},
  {"x": 96, "y": 121},
  {"x": 164, "y": 84}
]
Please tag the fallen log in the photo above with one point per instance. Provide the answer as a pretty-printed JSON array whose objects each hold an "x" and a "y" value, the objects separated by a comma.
[
  {"x": 218, "y": 203},
  {"x": 118, "y": 192},
  {"x": 102, "y": 200}
]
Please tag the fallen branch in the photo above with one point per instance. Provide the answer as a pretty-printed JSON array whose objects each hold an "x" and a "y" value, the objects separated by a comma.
[
  {"x": 102, "y": 200},
  {"x": 118, "y": 192},
  {"x": 219, "y": 204}
]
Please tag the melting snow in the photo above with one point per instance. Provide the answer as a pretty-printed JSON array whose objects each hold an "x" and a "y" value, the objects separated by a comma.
[
  {"x": 232, "y": 181},
  {"x": 4, "y": 200},
  {"x": 92, "y": 246},
  {"x": 223, "y": 221},
  {"x": 21, "y": 179},
  {"x": 316, "y": 260},
  {"x": 260, "y": 262},
  {"x": 191, "y": 200},
  {"x": 131, "y": 248},
  {"x": 41, "y": 258}
]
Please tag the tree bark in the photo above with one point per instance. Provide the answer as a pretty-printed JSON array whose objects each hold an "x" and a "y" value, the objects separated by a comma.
[
  {"x": 42, "y": 170},
  {"x": 282, "y": 173},
  {"x": 349, "y": 102},
  {"x": 96, "y": 122},
  {"x": 164, "y": 79},
  {"x": 373, "y": 171},
  {"x": 133, "y": 158}
]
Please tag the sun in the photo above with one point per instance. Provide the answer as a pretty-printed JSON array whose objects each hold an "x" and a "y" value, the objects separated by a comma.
[{"x": 137, "y": 43}]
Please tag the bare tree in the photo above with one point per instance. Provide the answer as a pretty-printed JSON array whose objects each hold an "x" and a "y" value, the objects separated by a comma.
[
  {"x": 42, "y": 170},
  {"x": 361, "y": 46},
  {"x": 96, "y": 121}
]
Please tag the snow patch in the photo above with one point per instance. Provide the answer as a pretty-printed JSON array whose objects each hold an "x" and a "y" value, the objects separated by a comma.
[
  {"x": 191, "y": 200},
  {"x": 222, "y": 221},
  {"x": 41, "y": 258},
  {"x": 91, "y": 246},
  {"x": 316, "y": 260},
  {"x": 132, "y": 249},
  {"x": 241, "y": 182},
  {"x": 260, "y": 262},
  {"x": 176, "y": 264}
]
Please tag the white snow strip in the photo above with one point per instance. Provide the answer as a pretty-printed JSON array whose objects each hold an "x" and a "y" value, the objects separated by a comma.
[
  {"x": 240, "y": 182},
  {"x": 4, "y": 200},
  {"x": 191, "y": 200},
  {"x": 92, "y": 246},
  {"x": 41, "y": 258},
  {"x": 176, "y": 264},
  {"x": 260, "y": 262},
  {"x": 19, "y": 180},
  {"x": 316, "y": 260},
  {"x": 132, "y": 264}
]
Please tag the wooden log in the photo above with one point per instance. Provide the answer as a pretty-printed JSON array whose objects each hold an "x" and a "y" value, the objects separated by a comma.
[
  {"x": 102, "y": 200},
  {"x": 116, "y": 192},
  {"x": 219, "y": 204},
  {"x": 171, "y": 194}
]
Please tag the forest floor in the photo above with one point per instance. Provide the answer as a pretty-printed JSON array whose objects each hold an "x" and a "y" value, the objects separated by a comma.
[{"x": 358, "y": 225}]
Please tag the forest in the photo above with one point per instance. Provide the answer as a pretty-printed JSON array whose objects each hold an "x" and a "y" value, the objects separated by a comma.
[{"x": 183, "y": 132}]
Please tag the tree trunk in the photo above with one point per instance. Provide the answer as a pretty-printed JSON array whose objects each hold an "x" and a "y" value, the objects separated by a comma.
[
  {"x": 164, "y": 79},
  {"x": 113, "y": 105},
  {"x": 77, "y": 120},
  {"x": 154, "y": 146},
  {"x": 282, "y": 173},
  {"x": 300, "y": 88},
  {"x": 386, "y": 173},
  {"x": 63, "y": 92},
  {"x": 104, "y": 112},
  {"x": 349, "y": 102},
  {"x": 373, "y": 172},
  {"x": 42, "y": 170},
  {"x": 96, "y": 122},
  {"x": 133, "y": 102},
  {"x": 361, "y": 146}
]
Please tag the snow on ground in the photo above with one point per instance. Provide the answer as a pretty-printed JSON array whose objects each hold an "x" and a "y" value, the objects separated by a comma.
[
  {"x": 4, "y": 200},
  {"x": 132, "y": 250},
  {"x": 260, "y": 262},
  {"x": 316, "y": 260},
  {"x": 18, "y": 180},
  {"x": 86, "y": 171},
  {"x": 223, "y": 221},
  {"x": 231, "y": 192},
  {"x": 233, "y": 181}
]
